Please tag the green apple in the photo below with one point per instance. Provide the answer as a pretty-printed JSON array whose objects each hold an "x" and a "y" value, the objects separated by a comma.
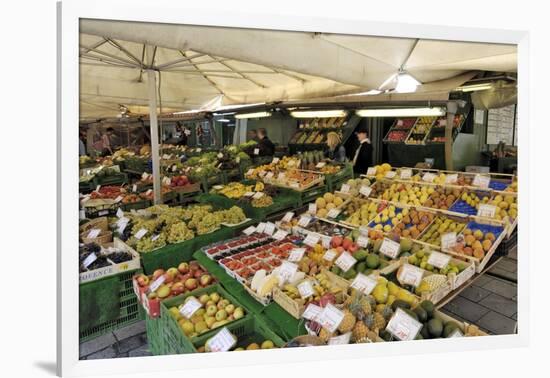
[
  {"x": 211, "y": 310},
  {"x": 238, "y": 313},
  {"x": 215, "y": 297},
  {"x": 221, "y": 315},
  {"x": 204, "y": 299},
  {"x": 210, "y": 320},
  {"x": 230, "y": 308}
]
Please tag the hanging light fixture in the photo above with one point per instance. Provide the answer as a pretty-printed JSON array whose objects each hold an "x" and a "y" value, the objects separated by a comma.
[{"x": 405, "y": 82}]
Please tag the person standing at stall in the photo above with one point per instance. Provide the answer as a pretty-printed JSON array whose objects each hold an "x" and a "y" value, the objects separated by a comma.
[
  {"x": 253, "y": 135},
  {"x": 266, "y": 146},
  {"x": 336, "y": 151},
  {"x": 363, "y": 155},
  {"x": 106, "y": 140}
]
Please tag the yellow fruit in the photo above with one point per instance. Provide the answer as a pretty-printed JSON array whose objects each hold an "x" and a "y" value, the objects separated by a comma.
[
  {"x": 267, "y": 344},
  {"x": 338, "y": 201},
  {"x": 385, "y": 167},
  {"x": 253, "y": 346},
  {"x": 321, "y": 203},
  {"x": 322, "y": 213},
  {"x": 380, "y": 293},
  {"x": 329, "y": 197}
]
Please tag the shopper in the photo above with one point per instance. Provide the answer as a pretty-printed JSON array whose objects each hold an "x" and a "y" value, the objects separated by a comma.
[
  {"x": 81, "y": 144},
  {"x": 267, "y": 148},
  {"x": 253, "y": 135},
  {"x": 106, "y": 140},
  {"x": 336, "y": 151},
  {"x": 363, "y": 155}
]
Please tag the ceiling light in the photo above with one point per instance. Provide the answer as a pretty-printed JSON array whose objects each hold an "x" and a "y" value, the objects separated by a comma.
[
  {"x": 223, "y": 120},
  {"x": 401, "y": 112},
  {"x": 406, "y": 83},
  {"x": 318, "y": 113},
  {"x": 475, "y": 87},
  {"x": 253, "y": 115}
]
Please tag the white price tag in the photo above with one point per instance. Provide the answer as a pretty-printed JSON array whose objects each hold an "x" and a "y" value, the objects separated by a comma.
[
  {"x": 481, "y": 181},
  {"x": 406, "y": 174},
  {"x": 256, "y": 151},
  {"x": 371, "y": 171},
  {"x": 222, "y": 341},
  {"x": 155, "y": 237},
  {"x": 94, "y": 233},
  {"x": 325, "y": 240},
  {"x": 390, "y": 174},
  {"x": 85, "y": 199},
  {"x": 269, "y": 175},
  {"x": 363, "y": 241},
  {"x": 389, "y": 248},
  {"x": 340, "y": 340},
  {"x": 269, "y": 228},
  {"x": 305, "y": 289},
  {"x": 144, "y": 176},
  {"x": 89, "y": 260},
  {"x": 156, "y": 284},
  {"x": 451, "y": 179},
  {"x": 304, "y": 220},
  {"x": 97, "y": 188},
  {"x": 189, "y": 308},
  {"x": 330, "y": 318},
  {"x": 312, "y": 209},
  {"x": 122, "y": 223},
  {"x": 333, "y": 213},
  {"x": 439, "y": 260},
  {"x": 403, "y": 326},
  {"x": 118, "y": 199},
  {"x": 411, "y": 275},
  {"x": 249, "y": 231},
  {"x": 103, "y": 212},
  {"x": 365, "y": 190},
  {"x": 174, "y": 168},
  {"x": 448, "y": 240},
  {"x": 199, "y": 150},
  {"x": 148, "y": 192},
  {"x": 141, "y": 233},
  {"x": 280, "y": 235},
  {"x": 345, "y": 261},
  {"x": 275, "y": 160},
  {"x": 217, "y": 187},
  {"x": 287, "y": 270},
  {"x": 288, "y": 217},
  {"x": 330, "y": 255},
  {"x": 345, "y": 188},
  {"x": 260, "y": 227},
  {"x": 167, "y": 181},
  {"x": 220, "y": 155},
  {"x": 312, "y": 312},
  {"x": 456, "y": 333},
  {"x": 364, "y": 283},
  {"x": 248, "y": 194},
  {"x": 134, "y": 188},
  {"x": 296, "y": 254},
  {"x": 258, "y": 195},
  {"x": 311, "y": 240},
  {"x": 119, "y": 213},
  {"x": 485, "y": 210},
  {"x": 320, "y": 164},
  {"x": 364, "y": 230},
  {"x": 428, "y": 177}
]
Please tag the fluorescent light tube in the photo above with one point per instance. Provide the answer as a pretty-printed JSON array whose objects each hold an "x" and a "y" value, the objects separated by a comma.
[
  {"x": 475, "y": 87},
  {"x": 401, "y": 112},
  {"x": 318, "y": 113},
  {"x": 253, "y": 115}
]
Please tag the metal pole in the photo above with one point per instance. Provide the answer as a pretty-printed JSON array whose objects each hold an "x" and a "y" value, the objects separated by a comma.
[
  {"x": 153, "y": 125},
  {"x": 452, "y": 108}
]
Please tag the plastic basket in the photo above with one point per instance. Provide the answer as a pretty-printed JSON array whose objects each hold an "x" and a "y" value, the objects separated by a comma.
[
  {"x": 115, "y": 179},
  {"x": 135, "y": 205}
]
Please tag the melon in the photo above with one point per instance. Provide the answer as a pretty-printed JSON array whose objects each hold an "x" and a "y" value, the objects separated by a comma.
[
  {"x": 321, "y": 203},
  {"x": 329, "y": 197}
]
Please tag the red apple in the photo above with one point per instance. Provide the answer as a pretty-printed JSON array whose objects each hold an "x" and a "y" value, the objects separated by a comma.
[
  {"x": 157, "y": 273},
  {"x": 346, "y": 243},
  {"x": 186, "y": 276},
  {"x": 197, "y": 273},
  {"x": 142, "y": 280},
  {"x": 168, "y": 278},
  {"x": 183, "y": 267},
  {"x": 177, "y": 288},
  {"x": 336, "y": 241},
  {"x": 194, "y": 265},
  {"x": 205, "y": 280},
  {"x": 191, "y": 284},
  {"x": 353, "y": 248}
]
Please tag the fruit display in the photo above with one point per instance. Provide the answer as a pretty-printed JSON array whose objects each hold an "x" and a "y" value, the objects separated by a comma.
[
  {"x": 179, "y": 181},
  {"x": 388, "y": 218},
  {"x": 404, "y": 124},
  {"x": 396, "y": 136},
  {"x": 442, "y": 198},
  {"x": 322, "y": 227},
  {"x": 420, "y": 130},
  {"x": 356, "y": 184},
  {"x": 441, "y": 225},
  {"x": 361, "y": 213},
  {"x": 215, "y": 311},
  {"x": 234, "y": 190},
  {"x": 413, "y": 223},
  {"x": 420, "y": 256},
  {"x": 381, "y": 171},
  {"x": 242, "y": 345},
  {"x": 322, "y": 286},
  {"x": 477, "y": 239},
  {"x": 326, "y": 203},
  {"x": 506, "y": 206},
  {"x": 263, "y": 201}
]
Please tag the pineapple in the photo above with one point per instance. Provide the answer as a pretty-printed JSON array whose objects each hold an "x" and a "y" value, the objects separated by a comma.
[
  {"x": 347, "y": 322},
  {"x": 366, "y": 306},
  {"x": 360, "y": 331},
  {"x": 360, "y": 306},
  {"x": 369, "y": 321},
  {"x": 379, "y": 321},
  {"x": 387, "y": 313},
  {"x": 324, "y": 335}
]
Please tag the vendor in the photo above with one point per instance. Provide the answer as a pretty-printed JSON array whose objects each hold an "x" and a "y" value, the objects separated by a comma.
[
  {"x": 362, "y": 159},
  {"x": 336, "y": 151},
  {"x": 253, "y": 135},
  {"x": 266, "y": 146}
]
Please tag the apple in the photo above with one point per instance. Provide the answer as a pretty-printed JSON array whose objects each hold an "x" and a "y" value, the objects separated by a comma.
[
  {"x": 230, "y": 318},
  {"x": 142, "y": 280},
  {"x": 178, "y": 288},
  {"x": 353, "y": 248},
  {"x": 194, "y": 265},
  {"x": 211, "y": 310},
  {"x": 336, "y": 241},
  {"x": 221, "y": 315},
  {"x": 168, "y": 277},
  {"x": 210, "y": 303},
  {"x": 191, "y": 284},
  {"x": 205, "y": 279},
  {"x": 183, "y": 267},
  {"x": 152, "y": 295},
  {"x": 157, "y": 273},
  {"x": 215, "y": 297},
  {"x": 204, "y": 299},
  {"x": 230, "y": 308},
  {"x": 163, "y": 291},
  {"x": 185, "y": 277},
  {"x": 173, "y": 272},
  {"x": 238, "y": 313},
  {"x": 220, "y": 305},
  {"x": 209, "y": 321},
  {"x": 198, "y": 273}
]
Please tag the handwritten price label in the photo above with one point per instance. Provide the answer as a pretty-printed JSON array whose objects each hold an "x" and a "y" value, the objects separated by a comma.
[
  {"x": 260, "y": 227},
  {"x": 451, "y": 179},
  {"x": 345, "y": 188},
  {"x": 312, "y": 312},
  {"x": 269, "y": 228},
  {"x": 89, "y": 260},
  {"x": 296, "y": 254},
  {"x": 312, "y": 209},
  {"x": 389, "y": 248},
  {"x": 141, "y": 233},
  {"x": 330, "y": 318},
  {"x": 406, "y": 174},
  {"x": 288, "y": 217},
  {"x": 481, "y": 181},
  {"x": 305, "y": 289},
  {"x": 287, "y": 270},
  {"x": 189, "y": 308},
  {"x": 94, "y": 233},
  {"x": 428, "y": 177},
  {"x": 403, "y": 326},
  {"x": 487, "y": 211},
  {"x": 439, "y": 260},
  {"x": 371, "y": 171},
  {"x": 222, "y": 341},
  {"x": 333, "y": 213},
  {"x": 249, "y": 231},
  {"x": 364, "y": 283},
  {"x": 156, "y": 284},
  {"x": 304, "y": 221},
  {"x": 365, "y": 190},
  {"x": 280, "y": 235},
  {"x": 311, "y": 240},
  {"x": 390, "y": 174},
  {"x": 448, "y": 240},
  {"x": 411, "y": 275},
  {"x": 330, "y": 255},
  {"x": 345, "y": 261},
  {"x": 363, "y": 241},
  {"x": 119, "y": 213}
]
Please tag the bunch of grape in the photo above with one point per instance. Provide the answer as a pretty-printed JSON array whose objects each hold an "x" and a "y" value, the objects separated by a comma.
[
  {"x": 207, "y": 224},
  {"x": 147, "y": 244},
  {"x": 234, "y": 215},
  {"x": 179, "y": 232}
]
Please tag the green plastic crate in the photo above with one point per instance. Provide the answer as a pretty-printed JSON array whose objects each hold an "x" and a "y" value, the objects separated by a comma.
[
  {"x": 248, "y": 330},
  {"x": 336, "y": 180},
  {"x": 175, "y": 341},
  {"x": 136, "y": 205},
  {"x": 154, "y": 339},
  {"x": 311, "y": 194},
  {"x": 115, "y": 179}
]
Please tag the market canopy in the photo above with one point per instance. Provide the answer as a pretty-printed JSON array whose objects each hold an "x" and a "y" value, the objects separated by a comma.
[{"x": 202, "y": 67}]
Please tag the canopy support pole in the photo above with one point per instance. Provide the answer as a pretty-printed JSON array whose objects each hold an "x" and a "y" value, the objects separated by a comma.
[
  {"x": 153, "y": 125},
  {"x": 452, "y": 108}
]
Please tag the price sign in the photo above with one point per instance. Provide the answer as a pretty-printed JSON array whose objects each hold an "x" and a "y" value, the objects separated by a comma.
[
  {"x": 312, "y": 312},
  {"x": 103, "y": 212},
  {"x": 428, "y": 177},
  {"x": 258, "y": 195},
  {"x": 97, "y": 188},
  {"x": 451, "y": 179},
  {"x": 371, "y": 171},
  {"x": 448, "y": 240},
  {"x": 141, "y": 233},
  {"x": 305, "y": 289},
  {"x": 364, "y": 230},
  {"x": 345, "y": 261},
  {"x": 155, "y": 237},
  {"x": 362, "y": 241},
  {"x": 122, "y": 223},
  {"x": 340, "y": 340},
  {"x": 487, "y": 211},
  {"x": 94, "y": 233},
  {"x": 250, "y": 172},
  {"x": 85, "y": 199},
  {"x": 403, "y": 326},
  {"x": 275, "y": 160},
  {"x": 190, "y": 307},
  {"x": 119, "y": 213},
  {"x": 481, "y": 181},
  {"x": 280, "y": 235},
  {"x": 288, "y": 217},
  {"x": 389, "y": 248},
  {"x": 390, "y": 174},
  {"x": 134, "y": 188},
  {"x": 326, "y": 242},
  {"x": 149, "y": 192},
  {"x": 260, "y": 227},
  {"x": 296, "y": 254},
  {"x": 411, "y": 275},
  {"x": 330, "y": 318},
  {"x": 312, "y": 209},
  {"x": 156, "y": 284},
  {"x": 320, "y": 165},
  {"x": 333, "y": 213},
  {"x": 89, "y": 260},
  {"x": 248, "y": 194},
  {"x": 311, "y": 240},
  {"x": 365, "y": 190},
  {"x": 304, "y": 220},
  {"x": 364, "y": 283},
  {"x": 118, "y": 199},
  {"x": 345, "y": 188},
  {"x": 330, "y": 255},
  {"x": 256, "y": 151},
  {"x": 439, "y": 260},
  {"x": 249, "y": 231},
  {"x": 287, "y": 270},
  {"x": 406, "y": 174},
  {"x": 456, "y": 333},
  {"x": 222, "y": 341},
  {"x": 269, "y": 228}
]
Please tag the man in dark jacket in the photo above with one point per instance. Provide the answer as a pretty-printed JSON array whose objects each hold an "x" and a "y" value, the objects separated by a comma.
[
  {"x": 267, "y": 148},
  {"x": 362, "y": 159}
]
